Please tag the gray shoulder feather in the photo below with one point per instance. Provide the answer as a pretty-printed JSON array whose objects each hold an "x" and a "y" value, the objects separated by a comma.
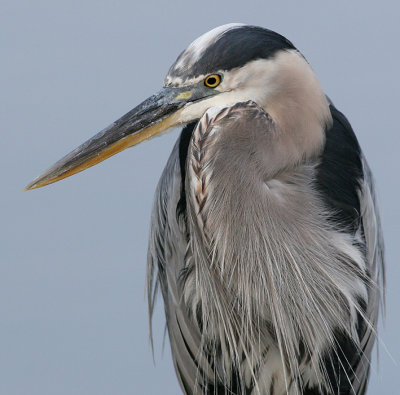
[{"x": 371, "y": 233}]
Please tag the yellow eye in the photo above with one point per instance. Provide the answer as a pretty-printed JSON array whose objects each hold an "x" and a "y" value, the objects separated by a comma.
[{"x": 212, "y": 81}]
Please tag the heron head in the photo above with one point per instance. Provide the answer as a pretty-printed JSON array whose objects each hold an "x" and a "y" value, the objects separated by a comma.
[{"x": 229, "y": 64}]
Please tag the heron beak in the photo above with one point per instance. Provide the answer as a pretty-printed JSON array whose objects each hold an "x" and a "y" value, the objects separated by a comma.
[{"x": 157, "y": 113}]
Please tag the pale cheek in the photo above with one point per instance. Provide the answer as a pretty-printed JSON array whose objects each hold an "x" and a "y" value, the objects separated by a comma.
[
  {"x": 229, "y": 83},
  {"x": 243, "y": 88},
  {"x": 197, "y": 110}
]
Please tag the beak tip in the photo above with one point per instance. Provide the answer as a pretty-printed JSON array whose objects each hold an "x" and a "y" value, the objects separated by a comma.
[
  {"x": 36, "y": 183},
  {"x": 30, "y": 186}
]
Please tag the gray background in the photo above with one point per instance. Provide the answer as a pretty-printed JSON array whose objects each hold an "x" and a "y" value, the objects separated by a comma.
[{"x": 73, "y": 316}]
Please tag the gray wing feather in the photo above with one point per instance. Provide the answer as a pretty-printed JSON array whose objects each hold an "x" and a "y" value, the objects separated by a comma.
[
  {"x": 166, "y": 260},
  {"x": 371, "y": 232}
]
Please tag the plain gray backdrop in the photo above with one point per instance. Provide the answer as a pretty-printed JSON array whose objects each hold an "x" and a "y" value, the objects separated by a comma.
[{"x": 73, "y": 314}]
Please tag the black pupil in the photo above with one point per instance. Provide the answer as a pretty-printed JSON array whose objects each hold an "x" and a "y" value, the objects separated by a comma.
[{"x": 211, "y": 81}]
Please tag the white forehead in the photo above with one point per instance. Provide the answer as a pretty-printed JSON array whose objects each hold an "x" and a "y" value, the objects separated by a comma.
[
  {"x": 201, "y": 43},
  {"x": 194, "y": 51}
]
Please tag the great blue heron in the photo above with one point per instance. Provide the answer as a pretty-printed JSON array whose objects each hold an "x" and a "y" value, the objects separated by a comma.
[{"x": 265, "y": 237}]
